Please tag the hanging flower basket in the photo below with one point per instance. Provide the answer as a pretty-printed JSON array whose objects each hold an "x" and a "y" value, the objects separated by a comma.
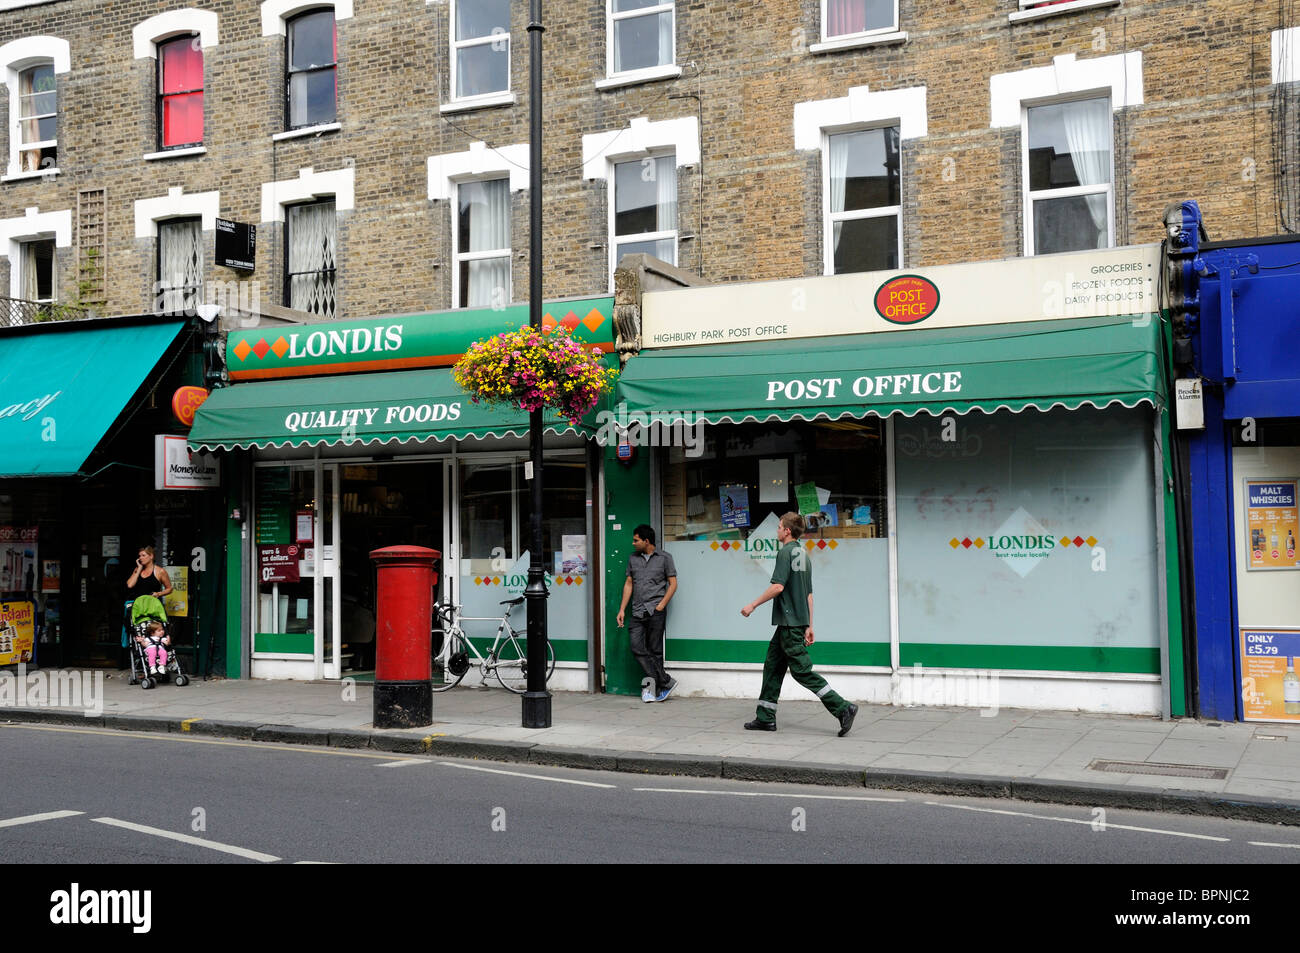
[{"x": 533, "y": 369}]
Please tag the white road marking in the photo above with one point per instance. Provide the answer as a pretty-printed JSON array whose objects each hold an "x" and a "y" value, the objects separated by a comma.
[
  {"x": 34, "y": 818},
  {"x": 1264, "y": 843},
  {"x": 191, "y": 740},
  {"x": 400, "y": 764},
  {"x": 1102, "y": 825},
  {"x": 524, "y": 774},
  {"x": 809, "y": 797},
  {"x": 187, "y": 839}
]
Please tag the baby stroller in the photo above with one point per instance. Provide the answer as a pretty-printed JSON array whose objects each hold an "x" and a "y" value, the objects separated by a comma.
[{"x": 143, "y": 611}]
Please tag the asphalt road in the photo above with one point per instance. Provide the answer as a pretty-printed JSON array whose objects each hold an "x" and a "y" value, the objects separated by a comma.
[{"x": 88, "y": 796}]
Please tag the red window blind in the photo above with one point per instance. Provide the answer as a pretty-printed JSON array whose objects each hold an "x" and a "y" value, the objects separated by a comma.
[{"x": 180, "y": 84}]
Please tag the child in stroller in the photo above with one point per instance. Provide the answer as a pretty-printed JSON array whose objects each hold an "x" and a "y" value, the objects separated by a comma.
[{"x": 151, "y": 644}]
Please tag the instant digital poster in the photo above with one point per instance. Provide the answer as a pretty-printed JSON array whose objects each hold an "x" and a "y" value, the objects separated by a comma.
[
  {"x": 1270, "y": 684},
  {"x": 17, "y": 632},
  {"x": 1272, "y": 524},
  {"x": 177, "y": 602}
]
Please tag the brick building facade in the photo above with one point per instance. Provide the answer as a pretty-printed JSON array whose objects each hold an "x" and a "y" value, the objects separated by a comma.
[{"x": 743, "y": 95}]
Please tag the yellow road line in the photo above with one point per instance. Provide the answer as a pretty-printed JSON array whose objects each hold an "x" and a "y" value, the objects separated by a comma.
[{"x": 185, "y": 725}]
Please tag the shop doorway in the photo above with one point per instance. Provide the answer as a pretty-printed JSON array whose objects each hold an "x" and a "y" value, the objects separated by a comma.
[{"x": 383, "y": 504}]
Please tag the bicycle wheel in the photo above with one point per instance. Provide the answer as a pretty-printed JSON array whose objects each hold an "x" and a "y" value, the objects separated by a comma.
[
  {"x": 511, "y": 662},
  {"x": 446, "y": 646}
]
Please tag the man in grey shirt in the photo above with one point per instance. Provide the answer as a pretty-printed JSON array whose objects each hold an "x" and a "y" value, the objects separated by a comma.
[{"x": 651, "y": 582}]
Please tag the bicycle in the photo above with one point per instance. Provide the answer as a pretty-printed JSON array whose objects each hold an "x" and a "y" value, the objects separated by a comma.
[{"x": 507, "y": 659}]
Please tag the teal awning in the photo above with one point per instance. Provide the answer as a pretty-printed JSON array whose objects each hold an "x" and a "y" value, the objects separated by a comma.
[
  {"x": 1043, "y": 364},
  {"x": 63, "y": 385},
  {"x": 352, "y": 409}
]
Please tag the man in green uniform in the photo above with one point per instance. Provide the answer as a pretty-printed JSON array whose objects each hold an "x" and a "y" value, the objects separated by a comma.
[{"x": 792, "y": 613}]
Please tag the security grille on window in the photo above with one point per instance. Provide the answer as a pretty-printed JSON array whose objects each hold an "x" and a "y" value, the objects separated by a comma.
[
  {"x": 37, "y": 119},
  {"x": 36, "y": 272},
  {"x": 483, "y": 243},
  {"x": 863, "y": 201},
  {"x": 180, "y": 265},
  {"x": 641, "y": 34},
  {"x": 311, "y": 273},
  {"x": 180, "y": 93},
  {"x": 1068, "y": 170},
  {"x": 847, "y": 18},
  {"x": 645, "y": 208},
  {"x": 313, "y": 56},
  {"x": 480, "y": 51}
]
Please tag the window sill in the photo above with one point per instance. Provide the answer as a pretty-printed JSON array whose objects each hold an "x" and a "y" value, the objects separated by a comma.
[
  {"x": 307, "y": 131},
  {"x": 479, "y": 102},
  {"x": 1041, "y": 13},
  {"x": 857, "y": 42},
  {"x": 175, "y": 153},
  {"x": 635, "y": 77},
  {"x": 39, "y": 174}
]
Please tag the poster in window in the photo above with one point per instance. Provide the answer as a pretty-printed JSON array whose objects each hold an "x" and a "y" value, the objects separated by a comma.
[
  {"x": 809, "y": 499},
  {"x": 735, "y": 505},
  {"x": 1270, "y": 685},
  {"x": 177, "y": 602},
  {"x": 18, "y": 558},
  {"x": 50, "y": 575},
  {"x": 273, "y": 522},
  {"x": 17, "y": 632},
  {"x": 1272, "y": 524},
  {"x": 574, "y": 562},
  {"x": 303, "y": 529},
  {"x": 773, "y": 481}
]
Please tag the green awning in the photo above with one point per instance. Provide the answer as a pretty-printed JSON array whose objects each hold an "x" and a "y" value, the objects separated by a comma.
[
  {"x": 360, "y": 409},
  {"x": 1045, "y": 364},
  {"x": 63, "y": 384}
]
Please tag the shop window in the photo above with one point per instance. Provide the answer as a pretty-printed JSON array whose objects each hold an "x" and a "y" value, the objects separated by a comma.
[
  {"x": 844, "y": 19},
  {"x": 480, "y": 48},
  {"x": 645, "y": 209},
  {"x": 180, "y": 265},
  {"x": 311, "y": 277},
  {"x": 483, "y": 243},
  {"x": 722, "y": 501},
  {"x": 640, "y": 35},
  {"x": 312, "y": 59},
  {"x": 1068, "y": 176},
  {"x": 180, "y": 93},
  {"x": 863, "y": 203},
  {"x": 37, "y": 119},
  {"x": 36, "y": 271}
]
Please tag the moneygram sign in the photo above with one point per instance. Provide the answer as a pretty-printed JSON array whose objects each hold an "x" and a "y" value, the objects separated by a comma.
[{"x": 398, "y": 343}]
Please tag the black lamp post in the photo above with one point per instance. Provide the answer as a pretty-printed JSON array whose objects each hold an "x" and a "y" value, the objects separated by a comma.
[{"x": 537, "y": 700}]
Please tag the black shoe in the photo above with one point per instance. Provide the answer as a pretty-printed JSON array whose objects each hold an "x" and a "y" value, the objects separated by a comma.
[
  {"x": 757, "y": 725},
  {"x": 846, "y": 719}
]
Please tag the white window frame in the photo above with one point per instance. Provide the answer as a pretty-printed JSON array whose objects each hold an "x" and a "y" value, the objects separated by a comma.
[
  {"x": 16, "y": 57},
  {"x": 496, "y": 97},
  {"x": 674, "y": 234},
  {"x": 19, "y": 264},
  {"x": 862, "y": 34},
  {"x": 829, "y": 218},
  {"x": 457, "y": 256},
  {"x": 663, "y": 70},
  {"x": 1029, "y": 197}
]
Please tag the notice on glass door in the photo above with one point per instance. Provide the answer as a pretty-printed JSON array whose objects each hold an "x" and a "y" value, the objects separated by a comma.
[
  {"x": 1272, "y": 524},
  {"x": 1270, "y": 686}
]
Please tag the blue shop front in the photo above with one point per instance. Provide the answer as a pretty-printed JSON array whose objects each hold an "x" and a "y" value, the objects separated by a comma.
[{"x": 1238, "y": 369}]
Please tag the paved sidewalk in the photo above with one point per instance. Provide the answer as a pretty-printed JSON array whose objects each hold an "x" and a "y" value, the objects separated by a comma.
[{"x": 1041, "y": 756}]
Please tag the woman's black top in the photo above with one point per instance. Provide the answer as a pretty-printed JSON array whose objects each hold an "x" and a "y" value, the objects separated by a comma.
[{"x": 148, "y": 585}]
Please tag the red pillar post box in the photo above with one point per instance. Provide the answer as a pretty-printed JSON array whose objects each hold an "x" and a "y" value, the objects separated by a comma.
[{"x": 403, "y": 616}]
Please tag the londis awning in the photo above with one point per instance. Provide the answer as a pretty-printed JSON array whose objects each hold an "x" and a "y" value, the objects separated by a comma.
[
  {"x": 1041, "y": 365},
  {"x": 63, "y": 384},
  {"x": 356, "y": 409}
]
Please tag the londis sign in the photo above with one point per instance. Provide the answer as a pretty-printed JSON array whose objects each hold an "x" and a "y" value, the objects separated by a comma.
[
  {"x": 398, "y": 343},
  {"x": 907, "y": 299}
]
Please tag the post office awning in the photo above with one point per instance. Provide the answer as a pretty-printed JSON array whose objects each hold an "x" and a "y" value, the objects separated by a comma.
[
  {"x": 63, "y": 385},
  {"x": 352, "y": 409},
  {"x": 1044, "y": 364}
]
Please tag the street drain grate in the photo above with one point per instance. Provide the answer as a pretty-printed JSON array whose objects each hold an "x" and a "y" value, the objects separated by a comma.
[{"x": 1171, "y": 770}]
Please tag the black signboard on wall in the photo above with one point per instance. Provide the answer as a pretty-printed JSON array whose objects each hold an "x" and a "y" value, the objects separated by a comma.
[{"x": 236, "y": 245}]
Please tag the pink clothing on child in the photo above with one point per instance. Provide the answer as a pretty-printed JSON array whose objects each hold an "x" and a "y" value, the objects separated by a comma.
[{"x": 156, "y": 654}]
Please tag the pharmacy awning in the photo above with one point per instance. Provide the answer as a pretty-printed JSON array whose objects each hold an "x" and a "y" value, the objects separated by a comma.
[
  {"x": 63, "y": 384},
  {"x": 353, "y": 409},
  {"x": 1044, "y": 364}
]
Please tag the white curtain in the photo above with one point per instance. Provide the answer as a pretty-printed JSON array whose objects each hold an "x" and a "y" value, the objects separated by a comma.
[
  {"x": 666, "y": 192},
  {"x": 312, "y": 258},
  {"x": 1087, "y": 133},
  {"x": 489, "y": 230},
  {"x": 665, "y": 38},
  {"x": 839, "y": 167},
  {"x": 180, "y": 264},
  {"x": 27, "y": 273}
]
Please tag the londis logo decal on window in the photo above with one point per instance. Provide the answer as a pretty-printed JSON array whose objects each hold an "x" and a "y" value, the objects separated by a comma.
[
  {"x": 1021, "y": 542},
  {"x": 907, "y": 299}
]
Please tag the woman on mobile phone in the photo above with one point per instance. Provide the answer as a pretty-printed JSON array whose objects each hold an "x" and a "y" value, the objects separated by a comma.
[{"x": 149, "y": 578}]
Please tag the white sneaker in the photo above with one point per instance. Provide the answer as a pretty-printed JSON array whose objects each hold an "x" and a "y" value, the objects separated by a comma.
[{"x": 647, "y": 696}]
